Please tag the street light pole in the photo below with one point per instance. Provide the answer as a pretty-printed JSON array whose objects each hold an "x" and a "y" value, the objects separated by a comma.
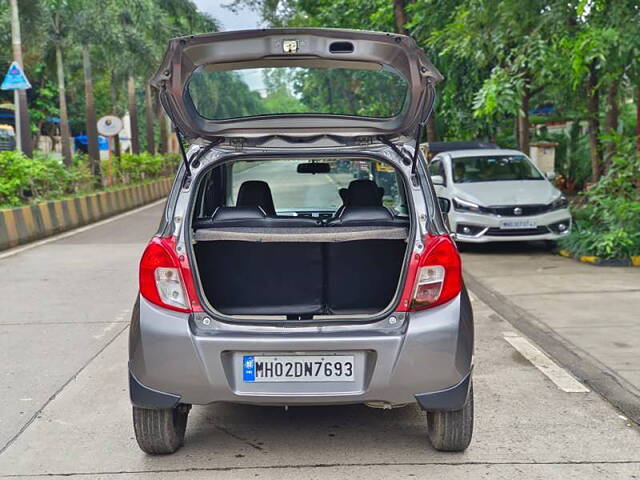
[{"x": 23, "y": 129}]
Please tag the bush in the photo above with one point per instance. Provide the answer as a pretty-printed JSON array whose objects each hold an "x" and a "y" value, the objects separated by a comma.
[
  {"x": 607, "y": 216},
  {"x": 136, "y": 168},
  {"x": 24, "y": 180}
]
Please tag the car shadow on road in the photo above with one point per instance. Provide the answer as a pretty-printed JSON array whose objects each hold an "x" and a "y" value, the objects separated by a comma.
[{"x": 298, "y": 429}]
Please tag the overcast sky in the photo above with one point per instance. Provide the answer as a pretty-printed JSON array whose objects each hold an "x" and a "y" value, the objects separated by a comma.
[{"x": 245, "y": 18}]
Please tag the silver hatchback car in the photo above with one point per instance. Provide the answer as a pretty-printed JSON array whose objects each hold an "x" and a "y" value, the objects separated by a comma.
[{"x": 302, "y": 257}]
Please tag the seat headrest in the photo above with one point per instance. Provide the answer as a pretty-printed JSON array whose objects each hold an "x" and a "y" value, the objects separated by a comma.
[
  {"x": 226, "y": 215},
  {"x": 362, "y": 193},
  {"x": 253, "y": 217},
  {"x": 364, "y": 216},
  {"x": 256, "y": 193}
]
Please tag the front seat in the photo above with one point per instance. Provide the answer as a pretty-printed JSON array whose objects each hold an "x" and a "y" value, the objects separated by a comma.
[
  {"x": 360, "y": 193},
  {"x": 256, "y": 193}
]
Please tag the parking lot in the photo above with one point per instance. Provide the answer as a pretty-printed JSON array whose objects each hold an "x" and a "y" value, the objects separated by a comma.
[{"x": 66, "y": 410}]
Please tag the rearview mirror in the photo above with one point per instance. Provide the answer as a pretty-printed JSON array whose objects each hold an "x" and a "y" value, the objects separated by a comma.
[
  {"x": 445, "y": 204},
  {"x": 314, "y": 167},
  {"x": 437, "y": 180}
]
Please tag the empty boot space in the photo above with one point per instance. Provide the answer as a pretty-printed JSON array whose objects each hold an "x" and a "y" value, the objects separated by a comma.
[{"x": 306, "y": 278}]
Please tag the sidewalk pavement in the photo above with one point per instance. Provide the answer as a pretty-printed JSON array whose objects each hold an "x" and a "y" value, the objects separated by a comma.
[{"x": 587, "y": 317}]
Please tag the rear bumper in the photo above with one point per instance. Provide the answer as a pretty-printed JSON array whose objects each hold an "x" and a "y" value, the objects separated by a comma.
[{"x": 421, "y": 358}]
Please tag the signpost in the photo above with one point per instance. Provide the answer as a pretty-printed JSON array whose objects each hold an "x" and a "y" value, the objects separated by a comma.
[
  {"x": 22, "y": 126},
  {"x": 16, "y": 80},
  {"x": 110, "y": 126}
]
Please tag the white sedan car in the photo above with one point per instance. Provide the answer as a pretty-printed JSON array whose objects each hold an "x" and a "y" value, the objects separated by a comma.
[{"x": 498, "y": 195}]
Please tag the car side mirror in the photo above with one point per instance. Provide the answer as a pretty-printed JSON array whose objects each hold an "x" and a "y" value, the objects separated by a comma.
[
  {"x": 551, "y": 175},
  {"x": 445, "y": 204},
  {"x": 437, "y": 179}
]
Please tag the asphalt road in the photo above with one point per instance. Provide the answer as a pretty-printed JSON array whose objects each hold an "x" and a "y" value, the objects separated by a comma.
[{"x": 66, "y": 413}]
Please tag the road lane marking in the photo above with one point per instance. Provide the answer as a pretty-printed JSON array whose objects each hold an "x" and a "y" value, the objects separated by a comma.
[
  {"x": 558, "y": 375},
  {"x": 111, "y": 325},
  {"x": 70, "y": 233}
]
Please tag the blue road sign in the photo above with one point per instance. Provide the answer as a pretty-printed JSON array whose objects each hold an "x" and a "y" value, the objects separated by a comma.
[{"x": 15, "y": 79}]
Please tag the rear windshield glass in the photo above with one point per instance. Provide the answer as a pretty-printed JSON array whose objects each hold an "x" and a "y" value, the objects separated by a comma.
[
  {"x": 493, "y": 168},
  {"x": 219, "y": 95}
]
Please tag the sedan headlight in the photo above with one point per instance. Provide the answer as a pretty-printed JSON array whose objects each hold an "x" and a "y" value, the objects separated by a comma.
[
  {"x": 465, "y": 206},
  {"x": 559, "y": 203}
]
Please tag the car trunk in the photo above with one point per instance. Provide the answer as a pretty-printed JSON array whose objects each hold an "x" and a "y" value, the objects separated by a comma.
[
  {"x": 345, "y": 256},
  {"x": 300, "y": 279}
]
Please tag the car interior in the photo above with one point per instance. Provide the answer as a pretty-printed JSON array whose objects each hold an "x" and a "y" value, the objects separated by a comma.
[{"x": 254, "y": 261}]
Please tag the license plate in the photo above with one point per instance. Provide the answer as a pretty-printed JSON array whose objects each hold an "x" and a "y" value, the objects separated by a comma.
[
  {"x": 517, "y": 224},
  {"x": 298, "y": 368}
]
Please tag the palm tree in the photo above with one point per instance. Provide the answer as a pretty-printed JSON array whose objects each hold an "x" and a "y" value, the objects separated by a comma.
[{"x": 58, "y": 10}]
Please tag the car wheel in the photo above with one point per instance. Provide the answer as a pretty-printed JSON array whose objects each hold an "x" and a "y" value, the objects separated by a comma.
[
  {"x": 452, "y": 431},
  {"x": 160, "y": 431}
]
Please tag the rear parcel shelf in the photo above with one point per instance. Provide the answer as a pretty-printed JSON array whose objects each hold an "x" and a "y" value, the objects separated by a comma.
[{"x": 300, "y": 234}]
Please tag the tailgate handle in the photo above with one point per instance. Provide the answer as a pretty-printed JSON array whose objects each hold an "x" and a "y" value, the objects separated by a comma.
[{"x": 341, "y": 47}]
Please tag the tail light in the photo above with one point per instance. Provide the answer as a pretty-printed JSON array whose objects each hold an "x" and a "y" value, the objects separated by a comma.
[
  {"x": 165, "y": 277},
  {"x": 434, "y": 277}
]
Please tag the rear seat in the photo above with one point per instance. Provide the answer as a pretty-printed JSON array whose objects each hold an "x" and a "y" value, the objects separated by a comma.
[
  {"x": 367, "y": 217},
  {"x": 363, "y": 274},
  {"x": 252, "y": 216},
  {"x": 260, "y": 277}
]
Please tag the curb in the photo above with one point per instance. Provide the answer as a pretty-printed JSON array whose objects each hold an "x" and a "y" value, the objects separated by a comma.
[
  {"x": 602, "y": 262},
  {"x": 32, "y": 222}
]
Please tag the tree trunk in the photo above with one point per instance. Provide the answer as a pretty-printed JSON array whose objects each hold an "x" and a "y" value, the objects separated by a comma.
[
  {"x": 65, "y": 134},
  {"x": 22, "y": 123},
  {"x": 638, "y": 118},
  {"x": 400, "y": 16},
  {"x": 593, "y": 109},
  {"x": 114, "y": 111},
  {"x": 151, "y": 147},
  {"x": 133, "y": 117},
  {"x": 523, "y": 125},
  {"x": 164, "y": 137},
  {"x": 92, "y": 122},
  {"x": 516, "y": 133},
  {"x": 431, "y": 128},
  {"x": 612, "y": 115}
]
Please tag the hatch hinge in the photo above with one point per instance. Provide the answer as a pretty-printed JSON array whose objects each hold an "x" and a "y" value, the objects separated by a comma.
[{"x": 237, "y": 144}]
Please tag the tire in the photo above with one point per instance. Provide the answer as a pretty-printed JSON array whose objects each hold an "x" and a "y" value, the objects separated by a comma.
[
  {"x": 160, "y": 431},
  {"x": 452, "y": 431}
]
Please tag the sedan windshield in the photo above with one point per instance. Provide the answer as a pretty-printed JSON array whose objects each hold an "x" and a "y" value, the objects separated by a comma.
[{"x": 494, "y": 168}]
